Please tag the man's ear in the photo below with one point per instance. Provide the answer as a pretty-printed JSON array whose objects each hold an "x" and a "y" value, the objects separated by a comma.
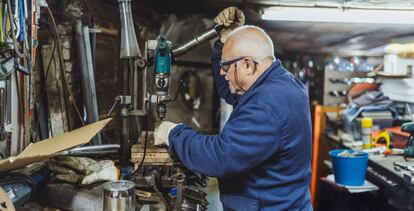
[{"x": 249, "y": 64}]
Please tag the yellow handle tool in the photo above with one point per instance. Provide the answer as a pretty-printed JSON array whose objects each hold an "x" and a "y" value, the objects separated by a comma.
[{"x": 383, "y": 136}]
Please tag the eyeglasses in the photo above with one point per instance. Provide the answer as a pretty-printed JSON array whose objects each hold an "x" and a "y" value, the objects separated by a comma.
[{"x": 225, "y": 65}]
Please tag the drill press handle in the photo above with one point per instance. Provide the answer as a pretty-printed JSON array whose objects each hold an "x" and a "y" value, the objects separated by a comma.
[{"x": 196, "y": 41}]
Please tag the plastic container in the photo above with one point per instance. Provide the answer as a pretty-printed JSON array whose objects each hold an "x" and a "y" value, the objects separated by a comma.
[{"x": 349, "y": 170}]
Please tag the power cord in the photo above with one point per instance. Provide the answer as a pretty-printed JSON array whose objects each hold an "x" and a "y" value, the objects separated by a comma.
[
  {"x": 145, "y": 145},
  {"x": 146, "y": 133}
]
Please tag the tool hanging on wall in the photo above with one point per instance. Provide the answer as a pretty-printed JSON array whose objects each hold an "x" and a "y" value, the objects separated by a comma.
[
  {"x": 17, "y": 20},
  {"x": 16, "y": 58},
  {"x": 35, "y": 15}
]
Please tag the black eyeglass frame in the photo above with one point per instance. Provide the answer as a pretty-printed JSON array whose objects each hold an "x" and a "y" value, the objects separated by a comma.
[{"x": 225, "y": 65}]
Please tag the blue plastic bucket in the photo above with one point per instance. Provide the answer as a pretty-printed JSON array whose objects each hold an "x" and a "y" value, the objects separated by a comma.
[{"x": 349, "y": 170}]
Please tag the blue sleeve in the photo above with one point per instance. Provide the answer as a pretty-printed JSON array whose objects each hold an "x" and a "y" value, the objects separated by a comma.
[
  {"x": 222, "y": 85},
  {"x": 246, "y": 141}
]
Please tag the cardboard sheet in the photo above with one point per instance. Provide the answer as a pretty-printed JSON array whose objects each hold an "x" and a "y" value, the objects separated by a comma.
[{"x": 45, "y": 149}]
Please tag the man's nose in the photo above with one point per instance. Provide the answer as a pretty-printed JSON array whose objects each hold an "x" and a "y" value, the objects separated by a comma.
[{"x": 222, "y": 73}]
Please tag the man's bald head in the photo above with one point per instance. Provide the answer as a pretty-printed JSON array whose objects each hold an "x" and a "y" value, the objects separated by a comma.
[{"x": 250, "y": 41}]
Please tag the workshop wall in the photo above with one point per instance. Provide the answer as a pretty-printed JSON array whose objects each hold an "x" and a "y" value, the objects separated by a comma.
[
  {"x": 52, "y": 107},
  {"x": 62, "y": 116},
  {"x": 202, "y": 115}
]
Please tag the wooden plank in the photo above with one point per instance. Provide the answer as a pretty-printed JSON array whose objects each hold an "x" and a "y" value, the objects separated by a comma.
[
  {"x": 26, "y": 115},
  {"x": 15, "y": 122},
  {"x": 54, "y": 89}
]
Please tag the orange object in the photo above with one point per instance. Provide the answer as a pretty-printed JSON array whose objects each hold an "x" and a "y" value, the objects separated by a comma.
[
  {"x": 388, "y": 152},
  {"x": 316, "y": 136},
  {"x": 359, "y": 89},
  {"x": 319, "y": 123}
]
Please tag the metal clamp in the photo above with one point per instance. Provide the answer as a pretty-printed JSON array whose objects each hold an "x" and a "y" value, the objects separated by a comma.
[{"x": 124, "y": 99}]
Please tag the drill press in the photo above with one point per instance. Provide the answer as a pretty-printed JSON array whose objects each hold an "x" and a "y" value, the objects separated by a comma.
[
  {"x": 163, "y": 58},
  {"x": 129, "y": 52},
  {"x": 162, "y": 75},
  {"x": 155, "y": 170}
]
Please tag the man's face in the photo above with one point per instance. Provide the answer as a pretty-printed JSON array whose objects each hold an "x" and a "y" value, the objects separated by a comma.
[{"x": 230, "y": 74}]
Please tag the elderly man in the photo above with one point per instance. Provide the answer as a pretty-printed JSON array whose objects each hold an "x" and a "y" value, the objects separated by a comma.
[{"x": 262, "y": 156}]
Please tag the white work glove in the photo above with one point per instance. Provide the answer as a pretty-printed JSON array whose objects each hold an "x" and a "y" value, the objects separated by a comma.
[
  {"x": 230, "y": 18},
  {"x": 162, "y": 132},
  {"x": 82, "y": 170}
]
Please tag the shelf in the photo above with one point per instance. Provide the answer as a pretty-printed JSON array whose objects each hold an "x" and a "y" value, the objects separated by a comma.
[{"x": 388, "y": 75}]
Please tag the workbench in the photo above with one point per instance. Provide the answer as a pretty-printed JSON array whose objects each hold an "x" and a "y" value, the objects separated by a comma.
[{"x": 398, "y": 192}]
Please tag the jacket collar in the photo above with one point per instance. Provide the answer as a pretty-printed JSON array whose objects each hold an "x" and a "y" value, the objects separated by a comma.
[{"x": 274, "y": 70}]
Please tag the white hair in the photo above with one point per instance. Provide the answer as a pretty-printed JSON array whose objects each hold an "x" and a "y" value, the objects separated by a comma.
[{"x": 252, "y": 41}]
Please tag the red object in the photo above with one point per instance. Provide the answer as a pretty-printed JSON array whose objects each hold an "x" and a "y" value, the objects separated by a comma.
[{"x": 359, "y": 89}]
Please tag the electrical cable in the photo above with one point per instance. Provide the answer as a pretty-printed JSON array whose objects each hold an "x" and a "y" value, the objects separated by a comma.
[
  {"x": 71, "y": 98},
  {"x": 146, "y": 133},
  {"x": 145, "y": 144}
]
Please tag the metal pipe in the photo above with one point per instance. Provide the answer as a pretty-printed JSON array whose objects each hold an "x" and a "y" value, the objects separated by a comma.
[
  {"x": 206, "y": 36},
  {"x": 125, "y": 103},
  {"x": 95, "y": 148},
  {"x": 88, "y": 75}
]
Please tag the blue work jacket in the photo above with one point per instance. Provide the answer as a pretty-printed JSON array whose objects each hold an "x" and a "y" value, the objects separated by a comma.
[{"x": 262, "y": 156}]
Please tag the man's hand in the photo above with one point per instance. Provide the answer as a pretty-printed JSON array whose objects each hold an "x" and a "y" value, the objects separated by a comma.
[
  {"x": 230, "y": 18},
  {"x": 162, "y": 132}
]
